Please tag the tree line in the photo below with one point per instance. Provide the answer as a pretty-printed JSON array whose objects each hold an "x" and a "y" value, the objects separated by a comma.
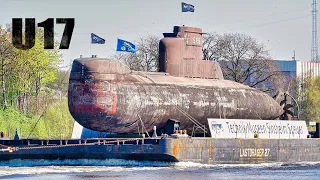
[{"x": 33, "y": 89}]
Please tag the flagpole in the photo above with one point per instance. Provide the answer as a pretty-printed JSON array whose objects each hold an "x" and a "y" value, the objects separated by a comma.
[
  {"x": 90, "y": 44},
  {"x": 181, "y": 12}
]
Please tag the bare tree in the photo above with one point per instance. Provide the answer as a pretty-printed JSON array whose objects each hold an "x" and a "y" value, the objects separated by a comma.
[
  {"x": 242, "y": 59},
  {"x": 146, "y": 56},
  {"x": 210, "y": 45}
]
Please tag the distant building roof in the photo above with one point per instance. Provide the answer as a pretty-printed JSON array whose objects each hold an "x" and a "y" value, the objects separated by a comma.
[{"x": 287, "y": 65}]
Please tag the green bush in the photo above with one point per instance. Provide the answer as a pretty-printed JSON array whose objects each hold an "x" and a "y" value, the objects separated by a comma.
[
  {"x": 59, "y": 120},
  {"x": 55, "y": 123}
]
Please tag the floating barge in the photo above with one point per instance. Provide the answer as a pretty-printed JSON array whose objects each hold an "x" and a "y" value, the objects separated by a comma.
[{"x": 200, "y": 150}]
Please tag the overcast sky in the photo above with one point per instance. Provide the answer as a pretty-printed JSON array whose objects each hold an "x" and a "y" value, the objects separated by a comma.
[{"x": 282, "y": 25}]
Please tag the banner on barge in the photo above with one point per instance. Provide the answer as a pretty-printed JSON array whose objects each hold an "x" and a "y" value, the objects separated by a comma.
[{"x": 266, "y": 129}]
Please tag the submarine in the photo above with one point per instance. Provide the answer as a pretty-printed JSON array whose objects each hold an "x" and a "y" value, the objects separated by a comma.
[{"x": 105, "y": 95}]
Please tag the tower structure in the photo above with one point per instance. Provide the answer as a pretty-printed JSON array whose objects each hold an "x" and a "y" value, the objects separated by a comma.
[{"x": 314, "y": 46}]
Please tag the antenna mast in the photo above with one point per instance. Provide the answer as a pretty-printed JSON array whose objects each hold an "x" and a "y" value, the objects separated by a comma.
[{"x": 314, "y": 46}]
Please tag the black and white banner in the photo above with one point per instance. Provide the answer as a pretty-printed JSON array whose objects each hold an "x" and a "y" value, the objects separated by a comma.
[{"x": 267, "y": 129}]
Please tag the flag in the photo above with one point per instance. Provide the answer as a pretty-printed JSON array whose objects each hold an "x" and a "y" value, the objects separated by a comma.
[
  {"x": 126, "y": 46},
  {"x": 187, "y": 7},
  {"x": 96, "y": 39}
]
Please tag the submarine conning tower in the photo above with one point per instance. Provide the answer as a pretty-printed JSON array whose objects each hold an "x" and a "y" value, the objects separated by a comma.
[{"x": 180, "y": 54}]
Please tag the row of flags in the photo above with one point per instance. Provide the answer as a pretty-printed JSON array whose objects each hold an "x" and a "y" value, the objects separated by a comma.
[
  {"x": 126, "y": 46},
  {"x": 122, "y": 45}
]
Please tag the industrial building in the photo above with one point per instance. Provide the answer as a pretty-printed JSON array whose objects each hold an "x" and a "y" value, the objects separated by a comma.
[
  {"x": 298, "y": 70},
  {"x": 295, "y": 68}
]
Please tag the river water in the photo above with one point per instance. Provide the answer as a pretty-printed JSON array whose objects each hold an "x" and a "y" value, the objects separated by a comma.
[{"x": 124, "y": 169}]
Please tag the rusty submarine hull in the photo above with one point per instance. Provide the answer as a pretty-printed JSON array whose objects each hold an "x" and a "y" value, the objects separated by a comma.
[
  {"x": 115, "y": 102},
  {"x": 105, "y": 95}
]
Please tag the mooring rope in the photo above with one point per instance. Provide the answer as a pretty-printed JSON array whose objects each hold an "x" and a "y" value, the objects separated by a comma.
[{"x": 6, "y": 148}]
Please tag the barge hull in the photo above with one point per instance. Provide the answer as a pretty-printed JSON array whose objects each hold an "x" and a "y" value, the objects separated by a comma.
[{"x": 199, "y": 150}]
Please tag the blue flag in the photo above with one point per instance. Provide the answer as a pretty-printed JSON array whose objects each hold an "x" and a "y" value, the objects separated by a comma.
[
  {"x": 96, "y": 39},
  {"x": 187, "y": 7},
  {"x": 125, "y": 46}
]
